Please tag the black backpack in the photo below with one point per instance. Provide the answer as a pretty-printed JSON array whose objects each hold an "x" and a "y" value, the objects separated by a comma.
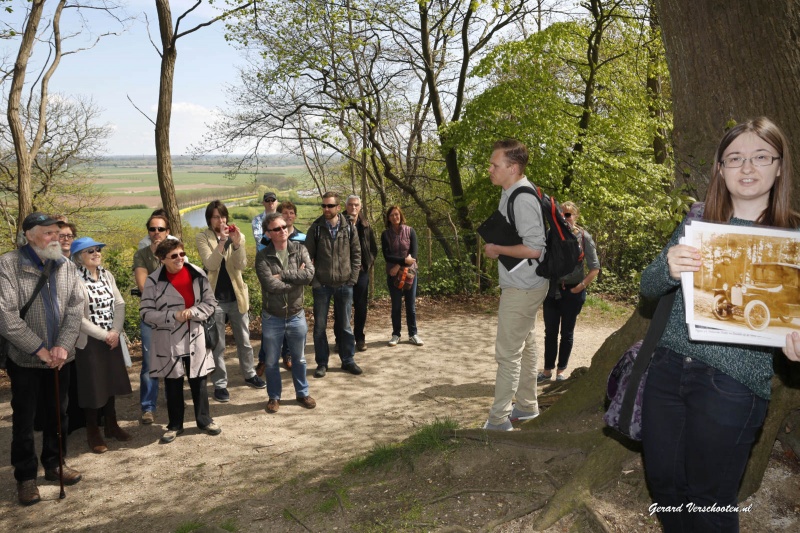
[{"x": 563, "y": 252}]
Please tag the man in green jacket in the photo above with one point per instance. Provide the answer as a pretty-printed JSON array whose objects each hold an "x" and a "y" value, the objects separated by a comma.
[{"x": 334, "y": 248}]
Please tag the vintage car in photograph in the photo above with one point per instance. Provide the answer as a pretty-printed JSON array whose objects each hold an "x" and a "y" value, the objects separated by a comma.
[{"x": 770, "y": 290}]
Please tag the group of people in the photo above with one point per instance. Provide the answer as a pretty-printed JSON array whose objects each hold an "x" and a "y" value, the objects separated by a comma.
[
  {"x": 704, "y": 402},
  {"x": 61, "y": 310}
]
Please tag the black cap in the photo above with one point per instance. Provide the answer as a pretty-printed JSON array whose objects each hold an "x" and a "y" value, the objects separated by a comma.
[
  {"x": 37, "y": 218},
  {"x": 270, "y": 196}
]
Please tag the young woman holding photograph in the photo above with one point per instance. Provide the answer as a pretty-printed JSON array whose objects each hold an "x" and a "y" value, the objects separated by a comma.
[{"x": 704, "y": 402}]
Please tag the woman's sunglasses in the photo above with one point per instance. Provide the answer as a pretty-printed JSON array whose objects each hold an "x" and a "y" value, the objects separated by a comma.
[
  {"x": 90, "y": 251},
  {"x": 177, "y": 255}
]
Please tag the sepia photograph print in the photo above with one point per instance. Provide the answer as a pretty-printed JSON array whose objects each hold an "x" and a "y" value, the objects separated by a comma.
[{"x": 747, "y": 290}]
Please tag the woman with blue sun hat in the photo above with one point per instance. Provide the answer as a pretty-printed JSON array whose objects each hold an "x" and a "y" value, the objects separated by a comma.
[{"x": 99, "y": 361}]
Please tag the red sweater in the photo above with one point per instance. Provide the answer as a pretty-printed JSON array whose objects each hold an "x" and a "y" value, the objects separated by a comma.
[{"x": 182, "y": 281}]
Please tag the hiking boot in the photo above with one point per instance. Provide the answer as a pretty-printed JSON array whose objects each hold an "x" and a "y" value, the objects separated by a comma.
[
  {"x": 520, "y": 415},
  {"x": 415, "y": 340},
  {"x": 222, "y": 395},
  {"x": 273, "y": 405},
  {"x": 353, "y": 368},
  {"x": 361, "y": 346},
  {"x": 394, "y": 340},
  {"x": 28, "y": 492},
  {"x": 212, "y": 429},
  {"x": 308, "y": 402},
  {"x": 71, "y": 476},
  {"x": 321, "y": 371},
  {"x": 505, "y": 426},
  {"x": 256, "y": 382},
  {"x": 147, "y": 418},
  {"x": 260, "y": 369},
  {"x": 170, "y": 435}
]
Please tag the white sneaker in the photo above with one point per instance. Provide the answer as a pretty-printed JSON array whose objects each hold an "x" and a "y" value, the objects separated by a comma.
[
  {"x": 415, "y": 340},
  {"x": 395, "y": 339},
  {"x": 505, "y": 426}
]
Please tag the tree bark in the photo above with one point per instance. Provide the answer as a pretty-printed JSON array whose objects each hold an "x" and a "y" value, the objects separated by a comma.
[
  {"x": 729, "y": 60},
  {"x": 169, "y": 55}
]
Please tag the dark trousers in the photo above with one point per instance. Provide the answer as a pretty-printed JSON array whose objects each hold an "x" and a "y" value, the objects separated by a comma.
[
  {"x": 28, "y": 387},
  {"x": 698, "y": 427},
  {"x": 560, "y": 313},
  {"x": 173, "y": 390},
  {"x": 410, "y": 297},
  {"x": 360, "y": 297}
]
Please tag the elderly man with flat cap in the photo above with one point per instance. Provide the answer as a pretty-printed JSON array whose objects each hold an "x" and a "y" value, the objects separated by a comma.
[{"x": 39, "y": 276}]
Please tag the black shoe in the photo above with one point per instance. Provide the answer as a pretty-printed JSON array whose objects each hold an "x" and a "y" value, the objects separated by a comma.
[
  {"x": 352, "y": 368},
  {"x": 222, "y": 395},
  {"x": 361, "y": 346},
  {"x": 256, "y": 382},
  {"x": 321, "y": 371}
]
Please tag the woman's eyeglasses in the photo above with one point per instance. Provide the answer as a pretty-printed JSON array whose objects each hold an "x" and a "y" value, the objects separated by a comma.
[
  {"x": 66, "y": 237},
  {"x": 177, "y": 255},
  {"x": 153, "y": 229},
  {"x": 278, "y": 229},
  {"x": 91, "y": 251}
]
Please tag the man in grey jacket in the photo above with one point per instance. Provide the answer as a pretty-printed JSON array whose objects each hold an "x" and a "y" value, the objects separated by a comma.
[
  {"x": 41, "y": 343},
  {"x": 284, "y": 269},
  {"x": 334, "y": 248}
]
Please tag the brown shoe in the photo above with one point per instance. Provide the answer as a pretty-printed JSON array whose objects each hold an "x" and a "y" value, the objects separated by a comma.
[
  {"x": 112, "y": 429},
  {"x": 147, "y": 418},
  {"x": 71, "y": 476},
  {"x": 28, "y": 492},
  {"x": 308, "y": 402},
  {"x": 287, "y": 362},
  {"x": 273, "y": 406},
  {"x": 96, "y": 442},
  {"x": 260, "y": 369}
]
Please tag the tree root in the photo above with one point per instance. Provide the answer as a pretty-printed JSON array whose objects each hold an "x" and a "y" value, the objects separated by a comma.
[
  {"x": 472, "y": 491},
  {"x": 524, "y": 511},
  {"x": 288, "y": 512},
  {"x": 596, "y": 518}
]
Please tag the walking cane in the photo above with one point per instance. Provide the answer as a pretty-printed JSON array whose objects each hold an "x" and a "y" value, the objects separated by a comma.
[{"x": 60, "y": 451}]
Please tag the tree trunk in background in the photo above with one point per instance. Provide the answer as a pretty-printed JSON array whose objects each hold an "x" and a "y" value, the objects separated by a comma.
[
  {"x": 729, "y": 60},
  {"x": 169, "y": 54}
]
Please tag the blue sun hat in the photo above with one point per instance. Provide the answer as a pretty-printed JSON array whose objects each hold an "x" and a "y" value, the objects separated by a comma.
[{"x": 79, "y": 245}]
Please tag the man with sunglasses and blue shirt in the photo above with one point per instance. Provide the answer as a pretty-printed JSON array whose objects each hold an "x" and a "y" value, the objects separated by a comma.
[
  {"x": 333, "y": 246},
  {"x": 145, "y": 263}
]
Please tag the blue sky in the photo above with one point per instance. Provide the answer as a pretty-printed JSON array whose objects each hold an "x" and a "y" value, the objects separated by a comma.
[{"x": 129, "y": 65}]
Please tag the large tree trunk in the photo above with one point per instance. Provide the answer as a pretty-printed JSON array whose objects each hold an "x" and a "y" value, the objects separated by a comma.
[
  {"x": 729, "y": 60},
  {"x": 169, "y": 54}
]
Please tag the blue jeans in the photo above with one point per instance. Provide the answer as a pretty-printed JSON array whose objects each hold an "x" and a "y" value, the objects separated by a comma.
[
  {"x": 698, "y": 427},
  {"x": 275, "y": 332},
  {"x": 148, "y": 387},
  {"x": 560, "y": 313},
  {"x": 343, "y": 303},
  {"x": 397, "y": 303}
]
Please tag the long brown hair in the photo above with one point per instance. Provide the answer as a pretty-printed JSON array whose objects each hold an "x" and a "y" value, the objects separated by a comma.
[{"x": 779, "y": 213}]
